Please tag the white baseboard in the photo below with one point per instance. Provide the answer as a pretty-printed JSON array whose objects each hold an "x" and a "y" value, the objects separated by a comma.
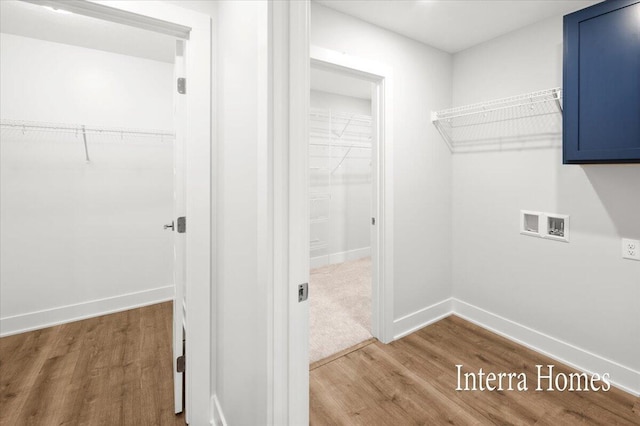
[
  {"x": 422, "y": 318},
  {"x": 343, "y": 256},
  {"x": 218, "y": 416},
  {"x": 622, "y": 377},
  {"x": 93, "y": 308}
]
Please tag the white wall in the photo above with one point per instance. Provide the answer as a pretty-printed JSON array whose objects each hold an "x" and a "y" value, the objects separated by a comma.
[
  {"x": 44, "y": 81},
  {"x": 239, "y": 305},
  {"x": 422, "y": 164},
  {"x": 582, "y": 293},
  {"x": 79, "y": 239},
  {"x": 242, "y": 274},
  {"x": 348, "y": 229},
  {"x": 349, "y": 104}
]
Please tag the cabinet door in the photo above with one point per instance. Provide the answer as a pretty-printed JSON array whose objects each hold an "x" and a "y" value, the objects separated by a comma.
[{"x": 601, "y": 122}]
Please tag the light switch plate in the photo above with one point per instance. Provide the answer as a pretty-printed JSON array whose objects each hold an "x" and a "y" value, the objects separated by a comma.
[{"x": 630, "y": 249}]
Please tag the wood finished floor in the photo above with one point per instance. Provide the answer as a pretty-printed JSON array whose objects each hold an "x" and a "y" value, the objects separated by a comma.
[
  {"x": 116, "y": 370},
  {"x": 412, "y": 381},
  {"x": 110, "y": 370}
]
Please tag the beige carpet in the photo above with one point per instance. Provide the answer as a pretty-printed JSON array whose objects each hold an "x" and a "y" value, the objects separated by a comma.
[{"x": 340, "y": 307}]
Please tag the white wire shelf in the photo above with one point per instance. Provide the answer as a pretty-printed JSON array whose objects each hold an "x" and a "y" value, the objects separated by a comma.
[
  {"x": 339, "y": 128},
  {"x": 347, "y": 145},
  {"x": 337, "y": 116},
  {"x": 318, "y": 245},
  {"x": 534, "y": 116},
  {"x": 25, "y": 127},
  {"x": 319, "y": 219},
  {"x": 319, "y": 196},
  {"x": 22, "y": 131}
]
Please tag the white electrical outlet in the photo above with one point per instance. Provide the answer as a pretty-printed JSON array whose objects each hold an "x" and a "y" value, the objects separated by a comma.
[{"x": 630, "y": 249}]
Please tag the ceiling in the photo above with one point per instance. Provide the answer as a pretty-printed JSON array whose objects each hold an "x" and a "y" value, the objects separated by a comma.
[
  {"x": 30, "y": 20},
  {"x": 449, "y": 25},
  {"x": 454, "y": 25}
]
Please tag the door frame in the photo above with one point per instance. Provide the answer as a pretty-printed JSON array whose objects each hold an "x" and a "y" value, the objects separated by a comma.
[
  {"x": 380, "y": 76},
  {"x": 200, "y": 179},
  {"x": 288, "y": 328}
]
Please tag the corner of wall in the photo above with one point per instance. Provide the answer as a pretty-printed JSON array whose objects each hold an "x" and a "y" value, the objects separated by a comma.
[{"x": 421, "y": 318}]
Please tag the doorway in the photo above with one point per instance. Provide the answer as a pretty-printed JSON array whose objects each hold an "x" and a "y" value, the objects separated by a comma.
[
  {"x": 379, "y": 77},
  {"x": 168, "y": 22},
  {"x": 341, "y": 191}
]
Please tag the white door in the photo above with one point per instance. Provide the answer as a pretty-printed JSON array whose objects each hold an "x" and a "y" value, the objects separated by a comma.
[{"x": 179, "y": 185}]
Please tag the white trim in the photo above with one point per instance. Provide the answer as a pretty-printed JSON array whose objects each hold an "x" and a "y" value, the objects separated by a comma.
[
  {"x": 298, "y": 167},
  {"x": 277, "y": 301},
  {"x": 382, "y": 234},
  {"x": 339, "y": 257},
  {"x": 83, "y": 310},
  {"x": 106, "y": 13},
  {"x": 217, "y": 418},
  {"x": 622, "y": 377},
  {"x": 421, "y": 318},
  {"x": 288, "y": 359}
]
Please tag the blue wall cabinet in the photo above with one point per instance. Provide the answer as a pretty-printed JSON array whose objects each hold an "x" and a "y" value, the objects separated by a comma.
[{"x": 601, "y": 79}]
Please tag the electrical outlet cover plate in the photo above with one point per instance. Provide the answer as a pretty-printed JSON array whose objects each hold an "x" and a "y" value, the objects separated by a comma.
[{"x": 630, "y": 249}]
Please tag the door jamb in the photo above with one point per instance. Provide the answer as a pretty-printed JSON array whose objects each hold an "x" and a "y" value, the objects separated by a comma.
[{"x": 288, "y": 375}]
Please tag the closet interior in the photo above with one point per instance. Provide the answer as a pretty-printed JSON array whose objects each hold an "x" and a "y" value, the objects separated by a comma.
[
  {"x": 87, "y": 168},
  {"x": 341, "y": 143}
]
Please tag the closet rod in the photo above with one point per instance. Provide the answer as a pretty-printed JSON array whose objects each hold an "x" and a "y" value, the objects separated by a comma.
[{"x": 79, "y": 129}]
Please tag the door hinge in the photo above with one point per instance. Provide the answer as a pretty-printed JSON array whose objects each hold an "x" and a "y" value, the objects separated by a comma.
[
  {"x": 180, "y": 364},
  {"x": 303, "y": 292},
  {"x": 373, "y": 220},
  {"x": 182, "y": 85},
  {"x": 182, "y": 224}
]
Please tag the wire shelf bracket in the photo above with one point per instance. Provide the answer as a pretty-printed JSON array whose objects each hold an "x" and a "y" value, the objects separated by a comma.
[{"x": 522, "y": 118}]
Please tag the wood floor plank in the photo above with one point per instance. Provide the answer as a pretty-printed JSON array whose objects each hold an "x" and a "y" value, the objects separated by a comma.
[
  {"x": 76, "y": 395},
  {"x": 474, "y": 356},
  {"x": 128, "y": 366},
  {"x": 412, "y": 388},
  {"x": 613, "y": 401},
  {"x": 54, "y": 377},
  {"x": 444, "y": 379},
  {"x": 109, "y": 370},
  {"x": 612, "y": 404},
  {"x": 21, "y": 359},
  {"x": 413, "y": 381}
]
